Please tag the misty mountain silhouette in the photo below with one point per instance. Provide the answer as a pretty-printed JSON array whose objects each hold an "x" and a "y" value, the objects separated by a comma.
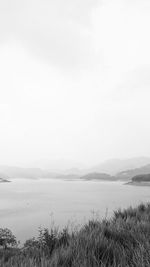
[
  {"x": 114, "y": 166},
  {"x": 59, "y": 165},
  {"x": 115, "y": 169},
  {"x": 129, "y": 174},
  {"x": 19, "y": 172}
]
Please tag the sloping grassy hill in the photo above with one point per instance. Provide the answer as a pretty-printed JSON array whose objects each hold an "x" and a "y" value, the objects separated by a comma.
[{"x": 122, "y": 241}]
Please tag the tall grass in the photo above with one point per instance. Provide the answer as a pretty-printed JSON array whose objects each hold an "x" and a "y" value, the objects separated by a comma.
[{"x": 122, "y": 241}]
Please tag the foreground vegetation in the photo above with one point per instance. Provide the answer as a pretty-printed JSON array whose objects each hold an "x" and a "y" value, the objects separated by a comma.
[{"x": 122, "y": 241}]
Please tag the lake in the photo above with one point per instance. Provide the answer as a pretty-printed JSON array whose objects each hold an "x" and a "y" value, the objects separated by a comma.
[{"x": 26, "y": 205}]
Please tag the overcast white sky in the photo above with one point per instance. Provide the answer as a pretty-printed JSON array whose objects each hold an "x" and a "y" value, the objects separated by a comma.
[{"x": 74, "y": 80}]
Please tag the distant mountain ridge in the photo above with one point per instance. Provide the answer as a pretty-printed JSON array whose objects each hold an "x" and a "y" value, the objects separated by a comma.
[
  {"x": 19, "y": 172},
  {"x": 115, "y": 166},
  {"x": 129, "y": 174},
  {"x": 59, "y": 165},
  {"x": 129, "y": 168}
]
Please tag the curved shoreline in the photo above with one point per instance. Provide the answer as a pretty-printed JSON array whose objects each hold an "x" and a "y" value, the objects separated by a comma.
[{"x": 138, "y": 183}]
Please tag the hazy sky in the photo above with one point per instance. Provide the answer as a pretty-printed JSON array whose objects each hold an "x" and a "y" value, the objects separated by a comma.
[{"x": 75, "y": 79}]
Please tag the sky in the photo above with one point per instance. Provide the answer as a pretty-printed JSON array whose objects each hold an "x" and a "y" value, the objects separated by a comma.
[{"x": 75, "y": 80}]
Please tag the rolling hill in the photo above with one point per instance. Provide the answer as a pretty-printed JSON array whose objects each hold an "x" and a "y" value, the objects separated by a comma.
[
  {"x": 141, "y": 178},
  {"x": 129, "y": 174},
  {"x": 115, "y": 166},
  {"x": 98, "y": 176}
]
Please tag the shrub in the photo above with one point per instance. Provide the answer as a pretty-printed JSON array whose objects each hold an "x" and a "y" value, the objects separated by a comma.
[{"x": 7, "y": 239}]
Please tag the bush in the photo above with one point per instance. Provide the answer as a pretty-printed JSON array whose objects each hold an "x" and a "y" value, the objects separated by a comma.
[{"x": 7, "y": 239}]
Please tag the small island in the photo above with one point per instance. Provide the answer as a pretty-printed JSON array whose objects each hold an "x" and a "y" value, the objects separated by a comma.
[
  {"x": 2, "y": 180},
  {"x": 98, "y": 177}
]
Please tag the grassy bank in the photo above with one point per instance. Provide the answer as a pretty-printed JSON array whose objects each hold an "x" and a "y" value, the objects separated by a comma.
[{"x": 122, "y": 241}]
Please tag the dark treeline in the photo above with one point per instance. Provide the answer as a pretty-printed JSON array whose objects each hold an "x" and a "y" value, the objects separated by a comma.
[{"x": 141, "y": 178}]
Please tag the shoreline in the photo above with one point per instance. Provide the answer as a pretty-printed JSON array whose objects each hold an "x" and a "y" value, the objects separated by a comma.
[
  {"x": 138, "y": 183},
  {"x": 4, "y": 180}
]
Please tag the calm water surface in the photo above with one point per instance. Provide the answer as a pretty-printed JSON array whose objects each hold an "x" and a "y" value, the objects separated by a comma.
[{"x": 25, "y": 205}]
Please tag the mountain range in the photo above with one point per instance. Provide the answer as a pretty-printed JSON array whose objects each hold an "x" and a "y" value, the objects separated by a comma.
[
  {"x": 129, "y": 174},
  {"x": 115, "y": 169},
  {"x": 114, "y": 166}
]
